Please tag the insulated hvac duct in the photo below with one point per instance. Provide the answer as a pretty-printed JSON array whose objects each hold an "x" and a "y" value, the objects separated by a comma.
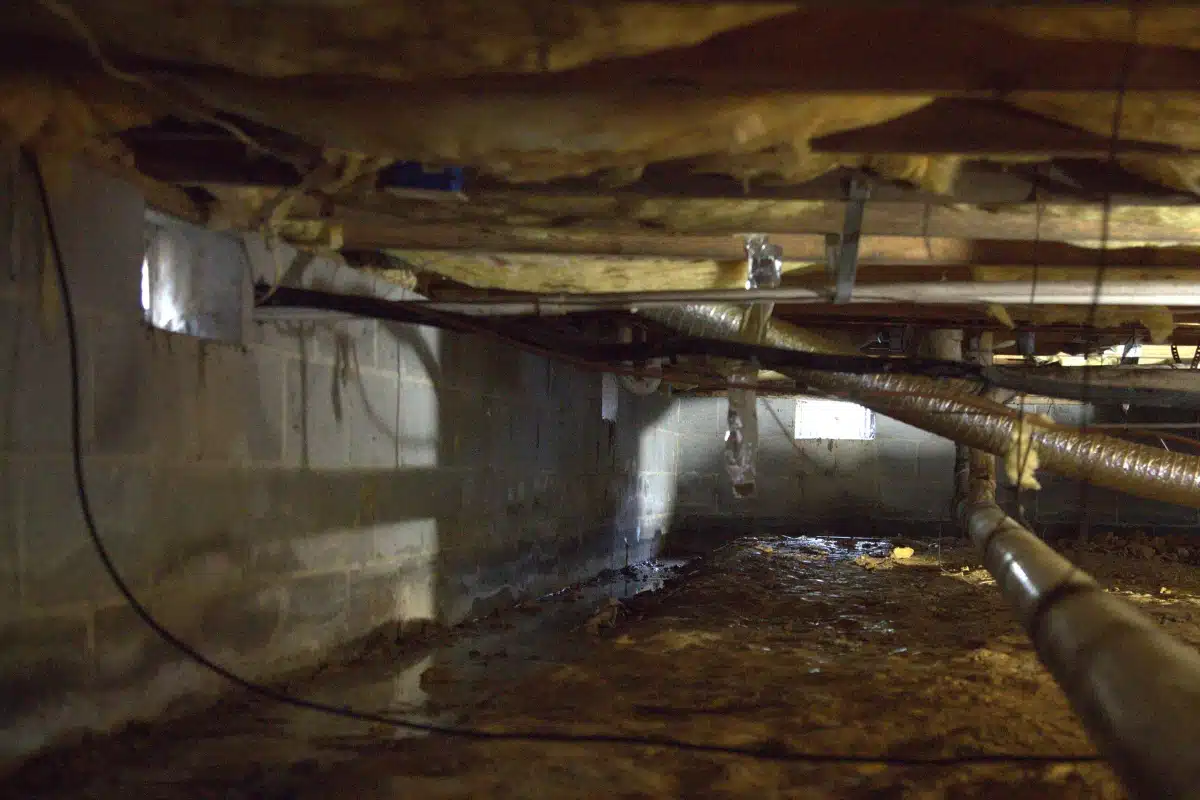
[
  {"x": 951, "y": 408},
  {"x": 1136, "y": 689}
]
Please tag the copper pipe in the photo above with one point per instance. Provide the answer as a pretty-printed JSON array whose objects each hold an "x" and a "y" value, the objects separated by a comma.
[{"x": 951, "y": 408}]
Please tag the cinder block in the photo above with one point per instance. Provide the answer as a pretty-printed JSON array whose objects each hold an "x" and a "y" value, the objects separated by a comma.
[
  {"x": 10, "y": 567},
  {"x": 418, "y": 593},
  {"x": 935, "y": 459},
  {"x": 316, "y": 614},
  {"x": 245, "y": 622},
  {"x": 897, "y": 458},
  {"x": 43, "y": 660},
  {"x": 374, "y": 431},
  {"x": 316, "y": 435},
  {"x": 1067, "y": 413},
  {"x": 915, "y": 499},
  {"x": 420, "y": 431},
  {"x": 703, "y": 418},
  {"x": 1062, "y": 500},
  {"x": 352, "y": 280},
  {"x": 405, "y": 539},
  {"x": 141, "y": 399},
  {"x": 238, "y": 405},
  {"x": 313, "y": 550},
  {"x": 101, "y": 226},
  {"x": 295, "y": 339},
  {"x": 697, "y": 491},
  {"x": 418, "y": 352},
  {"x": 888, "y": 428},
  {"x": 412, "y": 493},
  {"x": 374, "y": 599},
  {"x": 1139, "y": 511},
  {"x": 347, "y": 344},
  {"x": 60, "y": 564},
  {"x": 202, "y": 522},
  {"x": 22, "y": 234},
  {"x": 853, "y": 458},
  {"x": 35, "y": 388},
  {"x": 128, "y": 653}
]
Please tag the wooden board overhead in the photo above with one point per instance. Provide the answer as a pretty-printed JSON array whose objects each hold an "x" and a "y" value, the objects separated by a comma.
[
  {"x": 874, "y": 249},
  {"x": 386, "y": 222}
]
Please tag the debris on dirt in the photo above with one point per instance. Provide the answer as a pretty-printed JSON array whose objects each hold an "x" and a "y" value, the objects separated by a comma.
[
  {"x": 762, "y": 548},
  {"x": 529, "y": 608},
  {"x": 1163, "y": 591},
  {"x": 1142, "y": 550},
  {"x": 900, "y": 553},
  {"x": 606, "y": 617},
  {"x": 870, "y": 562}
]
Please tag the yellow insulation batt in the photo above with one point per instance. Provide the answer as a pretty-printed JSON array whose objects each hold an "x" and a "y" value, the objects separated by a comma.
[
  {"x": 549, "y": 273},
  {"x": 392, "y": 39},
  {"x": 1021, "y": 462},
  {"x": 60, "y": 115},
  {"x": 1158, "y": 320},
  {"x": 1176, "y": 26},
  {"x": 533, "y": 136},
  {"x": 365, "y": 76}
]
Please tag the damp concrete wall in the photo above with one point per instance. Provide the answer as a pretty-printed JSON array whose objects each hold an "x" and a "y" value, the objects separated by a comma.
[
  {"x": 899, "y": 483},
  {"x": 276, "y": 500}
]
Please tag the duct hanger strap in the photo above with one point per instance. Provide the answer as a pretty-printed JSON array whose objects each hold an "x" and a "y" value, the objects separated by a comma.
[{"x": 841, "y": 252}]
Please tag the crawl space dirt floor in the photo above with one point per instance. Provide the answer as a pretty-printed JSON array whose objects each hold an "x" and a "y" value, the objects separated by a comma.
[{"x": 816, "y": 644}]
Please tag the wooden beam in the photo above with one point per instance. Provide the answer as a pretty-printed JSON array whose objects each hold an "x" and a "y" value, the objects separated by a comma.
[
  {"x": 876, "y": 249},
  {"x": 977, "y": 128},
  {"x": 514, "y": 222}
]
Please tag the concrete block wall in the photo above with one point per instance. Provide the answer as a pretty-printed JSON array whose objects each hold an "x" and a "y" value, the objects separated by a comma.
[
  {"x": 1063, "y": 505},
  {"x": 276, "y": 500},
  {"x": 902, "y": 482}
]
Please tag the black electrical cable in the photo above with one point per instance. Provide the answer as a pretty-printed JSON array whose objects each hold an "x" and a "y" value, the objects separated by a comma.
[
  {"x": 1050, "y": 383},
  {"x": 774, "y": 751}
]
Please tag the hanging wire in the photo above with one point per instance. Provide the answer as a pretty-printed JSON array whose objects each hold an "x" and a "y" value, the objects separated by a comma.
[
  {"x": 1106, "y": 219},
  {"x": 1024, "y": 455}
]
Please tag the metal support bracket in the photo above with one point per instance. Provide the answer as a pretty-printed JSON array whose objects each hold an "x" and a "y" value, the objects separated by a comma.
[{"x": 841, "y": 252}]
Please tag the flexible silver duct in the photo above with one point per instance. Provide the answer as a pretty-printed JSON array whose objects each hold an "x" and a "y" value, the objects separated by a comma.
[{"x": 951, "y": 408}]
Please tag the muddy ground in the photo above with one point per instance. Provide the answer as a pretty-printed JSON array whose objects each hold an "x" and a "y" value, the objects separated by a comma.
[{"x": 813, "y": 644}]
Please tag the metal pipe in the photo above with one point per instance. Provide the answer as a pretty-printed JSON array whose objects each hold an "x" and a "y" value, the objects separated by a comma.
[
  {"x": 1135, "y": 293},
  {"x": 1136, "y": 689},
  {"x": 950, "y": 408}
]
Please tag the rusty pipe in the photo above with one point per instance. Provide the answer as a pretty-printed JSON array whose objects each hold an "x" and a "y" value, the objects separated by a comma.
[
  {"x": 1136, "y": 689},
  {"x": 950, "y": 408}
]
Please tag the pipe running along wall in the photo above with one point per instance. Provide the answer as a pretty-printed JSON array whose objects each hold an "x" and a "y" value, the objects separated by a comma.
[
  {"x": 951, "y": 408},
  {"x": 1136, "y": 689}
]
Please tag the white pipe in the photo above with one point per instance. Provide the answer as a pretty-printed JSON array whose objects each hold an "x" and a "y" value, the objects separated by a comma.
[{"x": 1111, "y": 293}]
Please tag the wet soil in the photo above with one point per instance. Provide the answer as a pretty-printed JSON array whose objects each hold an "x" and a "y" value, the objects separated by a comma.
[{"x": 813, "y": 644}]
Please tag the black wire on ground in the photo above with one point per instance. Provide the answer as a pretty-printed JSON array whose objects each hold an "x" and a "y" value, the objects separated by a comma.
[{"x": 772, "y": 751}]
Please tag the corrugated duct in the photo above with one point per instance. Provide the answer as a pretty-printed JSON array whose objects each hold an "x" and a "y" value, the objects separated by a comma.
[{"x": 952, "y": 409}]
